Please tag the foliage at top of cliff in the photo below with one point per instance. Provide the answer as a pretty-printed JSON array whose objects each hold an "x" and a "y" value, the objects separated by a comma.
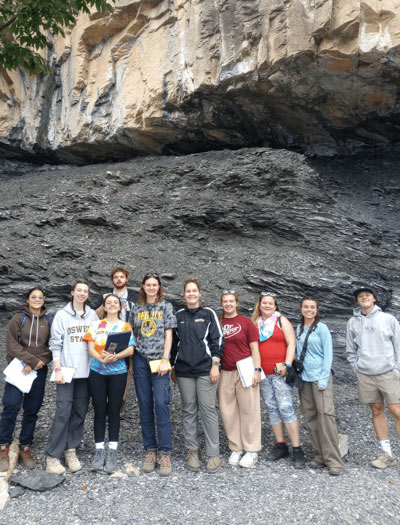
[{"x": 25, "y": 25}]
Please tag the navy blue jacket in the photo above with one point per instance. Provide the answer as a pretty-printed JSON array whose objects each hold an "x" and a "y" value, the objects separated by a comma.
[{"x": 198, "y": 338}]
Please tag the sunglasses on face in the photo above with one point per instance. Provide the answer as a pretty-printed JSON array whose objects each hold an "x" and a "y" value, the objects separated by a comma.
[
  {"x": 227, "y": 291},
  {"x": 268, "y": 294}
]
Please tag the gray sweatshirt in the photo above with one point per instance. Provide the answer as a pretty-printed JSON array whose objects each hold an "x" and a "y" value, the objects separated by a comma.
[
  {"x": 373, "y": 342},
  {"x": 66, "y": 342}
]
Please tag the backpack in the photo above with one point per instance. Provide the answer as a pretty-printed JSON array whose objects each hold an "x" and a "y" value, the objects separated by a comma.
[{"x": 23, "y": 321}]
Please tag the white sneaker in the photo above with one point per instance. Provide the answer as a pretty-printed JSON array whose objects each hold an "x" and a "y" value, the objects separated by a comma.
[
  {"x": 249, "y": 460},
  {"x": 234, "y": 458},
  {"x": 53, "y": 466}
]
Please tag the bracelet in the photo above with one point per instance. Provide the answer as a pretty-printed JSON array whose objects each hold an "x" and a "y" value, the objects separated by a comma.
[
  {"x": 257, "y": 369},
  {"x": 57, "y": 369},
  {"x": 287, "y": 365},
  {"x": 167, "y": 358}
]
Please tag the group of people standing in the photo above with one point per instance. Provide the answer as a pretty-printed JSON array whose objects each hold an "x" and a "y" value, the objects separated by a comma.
[{"x": 201, "y": 352}]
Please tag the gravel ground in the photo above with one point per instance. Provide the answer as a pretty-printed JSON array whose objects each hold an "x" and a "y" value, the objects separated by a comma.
[{"x": 272, "y": 492}]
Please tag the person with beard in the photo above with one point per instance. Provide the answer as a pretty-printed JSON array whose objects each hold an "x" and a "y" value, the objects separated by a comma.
[{"x": 119, "y": 278}]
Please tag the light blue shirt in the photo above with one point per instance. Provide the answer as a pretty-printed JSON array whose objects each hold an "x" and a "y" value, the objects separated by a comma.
[{"x": 318, "y": 360}]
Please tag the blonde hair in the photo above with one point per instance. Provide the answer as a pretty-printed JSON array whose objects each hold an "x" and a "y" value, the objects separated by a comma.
[{"x": 257, "y": 311}]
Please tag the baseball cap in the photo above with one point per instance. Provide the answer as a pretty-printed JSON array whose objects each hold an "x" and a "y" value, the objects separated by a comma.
[{"x": 364, "y": 289}]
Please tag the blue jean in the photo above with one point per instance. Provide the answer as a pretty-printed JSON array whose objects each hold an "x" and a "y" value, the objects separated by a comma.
[
  {"x": 13, "y": 399},
  {"x": 153, "y": 392}
]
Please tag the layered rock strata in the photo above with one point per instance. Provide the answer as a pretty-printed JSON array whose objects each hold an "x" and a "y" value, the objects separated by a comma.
[
  {"x": 251, "y": 220},
  {"x": 185, "y": 76}
]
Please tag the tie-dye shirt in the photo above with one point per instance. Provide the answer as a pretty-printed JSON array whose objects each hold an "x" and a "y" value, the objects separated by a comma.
[{"x": 98, "y": 333}]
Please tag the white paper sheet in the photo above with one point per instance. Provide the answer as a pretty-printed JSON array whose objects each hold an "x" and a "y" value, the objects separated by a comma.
[
  {"x": 14, "y": 376},
  {"x": 246, "y": 371},
  {"x": 68, "y": 374}
]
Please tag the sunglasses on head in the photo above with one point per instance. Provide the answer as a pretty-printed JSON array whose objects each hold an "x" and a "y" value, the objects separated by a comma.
[
  {"x": 269, "y": 294},
  {"x": 227, "y": 291},
  {"x": 151, "y": 274}
]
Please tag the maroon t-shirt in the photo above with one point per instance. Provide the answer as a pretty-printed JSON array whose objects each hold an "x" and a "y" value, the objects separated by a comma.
[{"x": 239, "y": 332}]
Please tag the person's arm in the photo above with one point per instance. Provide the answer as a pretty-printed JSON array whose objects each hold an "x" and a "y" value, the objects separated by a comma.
[
  {"x": 164, "y": 366},
  {"x": 104, "y": 357},
  {"x": 290, "y": 338},
  {"x": 326, "y": 343},
  {"x": 351, "y": 347},
  {"x": 396, "y": 345},
  {"x": 216, "y": 342},
  {"x": 15, "y": 349},
  {"x": 100, "y": 312},
  {"x": 255, "y": 353}
]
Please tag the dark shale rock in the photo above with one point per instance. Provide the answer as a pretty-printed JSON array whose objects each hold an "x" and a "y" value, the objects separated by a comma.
[
  {"x": 38, "y": 480},
  {"x": 252, "y": 220}
]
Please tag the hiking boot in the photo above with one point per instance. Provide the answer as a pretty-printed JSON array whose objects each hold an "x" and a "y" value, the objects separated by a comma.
[
  {"x": 213, "y": 464},
  {"x": 192, "y": 460},
  {"x": 4, "y": 459},
  {"x": 53, "y": 466},
  {"x": 165, "y": 465},
  {"x": 279, "y": 451},
  {"x": 111, "y": 463},
  {"x": 315, "y": 463},
  {"x": 299, "y": 461},
  {"x": 26, "y": 458},
  {"x": 384, "y": 461},
  {"x": 234, "y": 458},
  {"x": 249, "y": 460},
  {"x": 72, "y": 461},
  {"x": 98, "y": 460},
  {"x": 149, "y": 463},
  {"x": 335, "y": 471}
]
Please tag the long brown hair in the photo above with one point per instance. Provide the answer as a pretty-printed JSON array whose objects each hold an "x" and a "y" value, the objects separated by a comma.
[
  {"x": 119, "y": 300},
  {"x": 257, "y": 311},
  {"x": 316, "y": 319},
  {"x": 192, "y": 280},
  {"x": 142, "y": 293}
]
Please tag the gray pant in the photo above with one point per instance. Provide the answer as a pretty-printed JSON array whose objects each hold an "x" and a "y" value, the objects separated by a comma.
[
  {"x": 67, "y": 429},
  {"x": 319, "y": 413},
  {"x": 200, "y": 393}
]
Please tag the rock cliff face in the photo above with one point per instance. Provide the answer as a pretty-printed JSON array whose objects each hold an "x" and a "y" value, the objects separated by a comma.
[
  {"x": 185, "y": 76},
  {"x": 251, "y": 220}
]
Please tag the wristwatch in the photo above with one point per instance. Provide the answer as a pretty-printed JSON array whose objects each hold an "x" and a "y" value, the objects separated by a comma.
[
  {"x": 218, "y": 363},
  {"x": 287, "y": 365},
  {"x": 258, "y": 369}
]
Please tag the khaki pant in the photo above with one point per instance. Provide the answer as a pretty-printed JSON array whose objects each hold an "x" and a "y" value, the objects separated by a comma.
[
  {"x": 319, "y": 413},
  {"x": 198, "y": 393},
  {"x": 240, "y": 411}
]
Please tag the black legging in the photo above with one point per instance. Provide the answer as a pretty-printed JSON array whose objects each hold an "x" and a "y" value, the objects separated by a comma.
[{"x": 107, "y": 392}]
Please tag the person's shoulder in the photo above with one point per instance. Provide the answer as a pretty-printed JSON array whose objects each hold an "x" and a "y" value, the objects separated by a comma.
[
  {"x": 16, "y": 319},
  {"x": 322, "y": 328},
  {"x": 207, "y": 311}
]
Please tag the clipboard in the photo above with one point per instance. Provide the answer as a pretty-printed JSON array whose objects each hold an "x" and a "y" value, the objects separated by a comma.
[{"x": 117, "y": 342}]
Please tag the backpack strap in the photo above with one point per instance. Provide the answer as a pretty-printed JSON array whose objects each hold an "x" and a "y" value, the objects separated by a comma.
[{"x": 23, "y": 321}]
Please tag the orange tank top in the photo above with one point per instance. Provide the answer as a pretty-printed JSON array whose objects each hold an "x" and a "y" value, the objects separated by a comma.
[{"x": 273, "y": 351}]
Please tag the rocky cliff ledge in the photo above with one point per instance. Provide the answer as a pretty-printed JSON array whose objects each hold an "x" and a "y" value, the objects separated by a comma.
[{"x": 186, "y": 76}]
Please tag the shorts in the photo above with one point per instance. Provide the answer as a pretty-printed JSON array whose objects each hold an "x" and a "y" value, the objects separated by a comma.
[
  {"x": 379, "y": 388},
  {"x": 278, "y": 397}
]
